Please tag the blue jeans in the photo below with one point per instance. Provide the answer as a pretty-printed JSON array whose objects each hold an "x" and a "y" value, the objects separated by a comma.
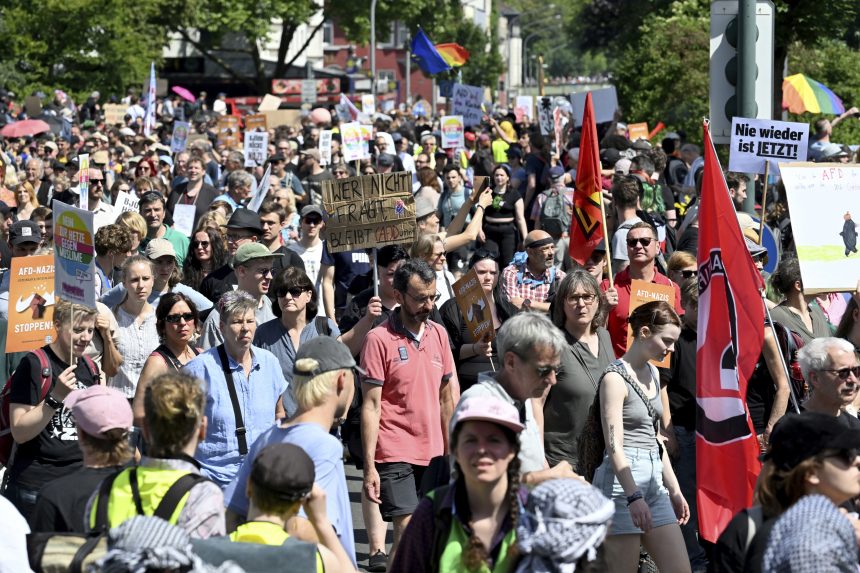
[{"x": 685, "y": 471}]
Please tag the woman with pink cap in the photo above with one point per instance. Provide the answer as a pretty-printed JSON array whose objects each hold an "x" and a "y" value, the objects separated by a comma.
[{"x": 471, "y": 522}]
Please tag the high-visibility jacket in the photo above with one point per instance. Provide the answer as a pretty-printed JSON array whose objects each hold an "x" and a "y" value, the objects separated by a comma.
[
  {"x": 266, "y": 533},
  {"x": 153, "y": 484}
]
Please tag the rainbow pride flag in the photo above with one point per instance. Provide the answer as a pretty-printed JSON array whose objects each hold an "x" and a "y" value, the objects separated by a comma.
[{"x": 454, "y": 55}]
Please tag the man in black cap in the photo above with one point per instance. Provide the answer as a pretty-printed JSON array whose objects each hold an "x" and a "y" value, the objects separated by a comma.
[
  {"x": 281, "y": 483},
  {"x": 24, "y": 239}
]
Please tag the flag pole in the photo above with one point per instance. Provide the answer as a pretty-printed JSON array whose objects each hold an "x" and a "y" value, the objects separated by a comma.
[
  {"x": 607, "y": 255},
  {"x": 791, "y": 393},
  {"x": 763, "y": 201}
]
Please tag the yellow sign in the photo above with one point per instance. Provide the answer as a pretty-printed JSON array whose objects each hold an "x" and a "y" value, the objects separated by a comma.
[{"x": 637, "y": 131}]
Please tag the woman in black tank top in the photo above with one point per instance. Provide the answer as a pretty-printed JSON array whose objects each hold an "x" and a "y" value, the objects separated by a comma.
[
  {"x": 504, "y": 219},
  {"x": 177, "y": 324}
]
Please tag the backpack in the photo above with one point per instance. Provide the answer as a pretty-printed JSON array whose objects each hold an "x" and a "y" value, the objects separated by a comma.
[
  {"x": 554, "y": 215},
  {"x": 651, "y": 197}
]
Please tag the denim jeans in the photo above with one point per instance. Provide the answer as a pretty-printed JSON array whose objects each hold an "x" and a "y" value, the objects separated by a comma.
[{"x": 685, "y": 471}]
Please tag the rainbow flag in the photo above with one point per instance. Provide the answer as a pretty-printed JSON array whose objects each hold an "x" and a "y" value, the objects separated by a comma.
[{"x": 454, "y": 55}]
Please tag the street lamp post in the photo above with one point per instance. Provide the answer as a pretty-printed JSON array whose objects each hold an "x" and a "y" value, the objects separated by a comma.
[
  {"x": 373, "y": 48},
  {"x": 553, "y": 20}
]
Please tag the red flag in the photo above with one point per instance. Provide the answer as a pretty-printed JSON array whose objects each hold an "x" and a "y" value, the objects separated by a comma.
[
  {"x": 730, "y": 337},
  {"x": 586, "y": 224}
]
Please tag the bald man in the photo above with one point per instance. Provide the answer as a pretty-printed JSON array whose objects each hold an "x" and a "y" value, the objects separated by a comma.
[{"x": 528, "y": 281}]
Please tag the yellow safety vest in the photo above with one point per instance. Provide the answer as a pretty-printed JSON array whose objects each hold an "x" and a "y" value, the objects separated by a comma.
[
  {"x": 266, "y": 533},
  {"x": 153, "y": 484}
]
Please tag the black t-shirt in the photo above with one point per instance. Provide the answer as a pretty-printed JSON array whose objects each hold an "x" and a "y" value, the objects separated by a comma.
[
  {"x": 682, "y": 380},
  {"x": 352, "y": 274},
  {"x": 54, "y": 451},
  {"x": 62, "y": 503},
  {"x": 218, "y": 282}
]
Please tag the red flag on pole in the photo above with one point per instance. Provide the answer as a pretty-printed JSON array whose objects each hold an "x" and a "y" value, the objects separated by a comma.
[
  {"x": 730, "y": 336},
  {"x": 587, "y": 222}
]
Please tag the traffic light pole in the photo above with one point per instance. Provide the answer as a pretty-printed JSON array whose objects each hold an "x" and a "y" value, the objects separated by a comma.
[{"x": 747, "y": 77}]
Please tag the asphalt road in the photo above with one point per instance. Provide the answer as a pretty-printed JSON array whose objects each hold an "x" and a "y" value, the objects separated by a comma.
[{"x": 353, "y": 482}]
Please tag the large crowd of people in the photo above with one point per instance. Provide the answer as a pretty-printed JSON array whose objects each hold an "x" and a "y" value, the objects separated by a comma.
[{"x": 234, "y": 367}]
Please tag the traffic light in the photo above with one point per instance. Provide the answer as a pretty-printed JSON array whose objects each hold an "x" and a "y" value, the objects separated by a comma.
[{"x": 725, "y": 65}]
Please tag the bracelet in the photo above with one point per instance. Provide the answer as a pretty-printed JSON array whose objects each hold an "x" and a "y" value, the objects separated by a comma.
[
  {"x": 479, "y": 206},
  {"x": 637, "y": 495},
  {"x": 52, "y": 402}
]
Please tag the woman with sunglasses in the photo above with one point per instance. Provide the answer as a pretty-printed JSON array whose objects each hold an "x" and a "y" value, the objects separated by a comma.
[
  {"x": 176, "y": 322},
  {"x": 206, "y": 252},
  {"x": 681, "y": 266},
  {"x": 635, "y": 472},
  {"x": 812, "y": 463},
  {"x": 504, "y": 220},
  {"x": 431, "y": 248},
  {"x": 472, "y": 355},
  {"x": 578, "y": 310}
]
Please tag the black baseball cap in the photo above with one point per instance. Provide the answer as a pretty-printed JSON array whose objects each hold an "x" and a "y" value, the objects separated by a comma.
[
  {"x": 385, "y": 160},
  {"x": 329, "y": 354},
  {"x": 243, "y": 218},
  {"x": 24, "y": 232},
  {"x": 797, "y": 437},
  {"x": 285, "y": 471}
]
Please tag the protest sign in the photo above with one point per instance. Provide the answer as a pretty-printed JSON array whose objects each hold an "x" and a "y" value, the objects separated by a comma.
[
  {"x": 453, "y": 132},
  {"x": 325, "y": 146},
  {"x": 114, "y": 113},
  {"x": 179, "y": 140},
  {"x": 637, "y": 131},
  {"x": 256, "y": 146},
  {"x": 605, "y": 103},
  {"x": 31, "y": 303},
  {"x": 124, "y": 202},
  {"x": 558, "y": 124},
  {"x": 368, "y": 104},
  {"x": 261, "y": 191},
  {"x": 466, "y": 101},
  {"x": 642, "y": 292},
  {"x": 757, "y": 142},
  {"x": 475, "y": 306},
  {"x": 351, "y": 142},
  {"x": 369, "y": 211},
  {"x": 84, "y": 182},
  {"x": 545, "y": 115},
  {"x": 269, "y": 103},
  {"x": 256, "y": 122},
  {"x": 279, "y": 117},
  {"x": 824, "y": 201},
  {"x": 74, "y": 255},
  {"x": 228, "y": 131},
  {"x": 524, "y": 108}
]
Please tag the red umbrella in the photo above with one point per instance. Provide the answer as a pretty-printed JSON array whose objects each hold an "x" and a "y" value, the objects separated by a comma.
[
  {"x": 24, "y": 128},
  {"x": 183, "y": 93}
]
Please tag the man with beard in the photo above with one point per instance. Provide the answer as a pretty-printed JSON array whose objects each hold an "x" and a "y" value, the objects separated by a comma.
[
  {"x": 831, "y": 368},
  {"x": 529, "y": 280},
  {"x": 323, "y": 387}
]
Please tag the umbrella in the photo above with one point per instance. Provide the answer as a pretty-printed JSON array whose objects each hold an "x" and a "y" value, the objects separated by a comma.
[
  {"x": 183, "y": 93},
  {"x": 802, "y": 94},
  {"x": 25, "y": 127}
]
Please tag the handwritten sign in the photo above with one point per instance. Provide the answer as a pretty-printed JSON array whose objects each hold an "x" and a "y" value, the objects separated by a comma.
[
  {"x": 125, "y": 201},
  {"x": 256, "y": 145},
  {"x": 466, "y": 101},
  {"x": 179, "y": 140},
  {"x": 757, "y": 142},
  {"x": 31, "y": 303},
  {"x": 74, "y": 255},
  {"x": 228, "y": 131},
  {"x": 642, "y": 292},
  {"x": 114, "y": 113},
  {"x": 453, "y": 132},
  {"x": 475, "y": 306},
  {"x": 369, "y": 211},
  {"x": 545, "y": 115}
]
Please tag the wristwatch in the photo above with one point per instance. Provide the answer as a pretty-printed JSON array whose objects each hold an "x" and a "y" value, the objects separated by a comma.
[{"x": 52, "y": 402}]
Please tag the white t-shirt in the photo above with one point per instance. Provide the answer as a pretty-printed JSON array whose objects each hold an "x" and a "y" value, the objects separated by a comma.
[{"x": 312, "y": 257}]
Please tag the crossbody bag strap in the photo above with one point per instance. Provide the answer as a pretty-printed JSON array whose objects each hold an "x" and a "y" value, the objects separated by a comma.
[
  {"x": 174, "y": 495},
  {"x": 135, "y": 491},
  {"x": 101, "y": 523},
  {"x": 632, "y": 383},
  {"x": 234, "y": 399}
]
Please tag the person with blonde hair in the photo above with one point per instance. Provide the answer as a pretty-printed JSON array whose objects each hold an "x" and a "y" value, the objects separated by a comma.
[
  {"x": 135, "y": 223},
  {"x": 25, "y": 197},
  {"x": 174, "y": 424},
  {"x": 681, "y": 266},
  {"x": 322, "y": 386}
]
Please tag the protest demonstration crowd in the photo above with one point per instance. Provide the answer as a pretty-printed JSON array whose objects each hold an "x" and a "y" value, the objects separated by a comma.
[{"x": 546, "y": 345}]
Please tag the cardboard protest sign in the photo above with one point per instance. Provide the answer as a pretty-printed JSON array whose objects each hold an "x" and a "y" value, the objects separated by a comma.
[
  {"x": 369, "y": 211},
  {"x": 325, "y": 147},
  {"x": 605, "y": 103},
  {"x": 453, "y": 132},
  {"x": 466, "y": 101},
  {"x": 824, "y": 201},
  {"x": 524, "y": 107},
  {"x": 125, "y": 201},
  {"x": 269, "y": 103},
  {"x": 637, "y": 131},
  {"x": 179, "y": 140},
  {"x": 279, "y": 117},
  {"x": 545, "y": 115},
  {"x": 475, "y": 306},
  {"x": 352, "y": 144},
  {"x": 31, "y": 303},
  {"x": 255, "y": 122},
  {"x": 757, "y": 142},
  {"x": 256, "y": 148},
  {"x": 84, "y": 184},
  {"x": 228, "y": 131},
  {"x": 642, "y": 292},
  {"x": 114, "y": 113},
  {"x": 74, "y": 255}
]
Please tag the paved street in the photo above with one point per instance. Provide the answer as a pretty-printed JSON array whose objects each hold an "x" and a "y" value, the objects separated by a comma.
[{"x": 353, "y": 481}]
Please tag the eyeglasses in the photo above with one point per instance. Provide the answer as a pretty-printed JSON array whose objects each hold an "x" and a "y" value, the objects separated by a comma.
[
  {"x": 423, "y": 299},
  {"x": 231, "y": 238},
  {"x": 844, "y": 373},
  {"x": 204, "y": 244},
  {"x": 294, "y": 292},
  {"x": 644, "y": 241},
  {"x": 265, "y": 271},
  {"x": 175, "y": 318},
  {"x": 438, "y": 255},
  {"x": 583, "y": 298},
  {"x": 688, "y": 274}
]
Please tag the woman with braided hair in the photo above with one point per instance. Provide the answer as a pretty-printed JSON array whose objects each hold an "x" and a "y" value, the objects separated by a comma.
[{"x": 470, "y": 524}]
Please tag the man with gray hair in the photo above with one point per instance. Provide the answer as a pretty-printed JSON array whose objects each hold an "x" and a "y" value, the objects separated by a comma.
[
  {"x": 831, "y": 369},
  {"x": 529, "y": 347},
  {"x": 240, "y": 186}
]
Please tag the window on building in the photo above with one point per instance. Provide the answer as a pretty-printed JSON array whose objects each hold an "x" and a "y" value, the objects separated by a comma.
[
  {"x": 328, "y": 32},
  {"x": 385, "y": 80}
]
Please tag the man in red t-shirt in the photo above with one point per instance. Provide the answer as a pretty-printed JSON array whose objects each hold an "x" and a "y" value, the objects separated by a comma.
[{"x": 642, "y": 248}]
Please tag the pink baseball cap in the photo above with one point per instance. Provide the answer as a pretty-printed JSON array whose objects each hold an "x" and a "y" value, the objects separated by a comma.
[
  {"x": 98, "y": 409},
  {"x": 487, "y": 409}
]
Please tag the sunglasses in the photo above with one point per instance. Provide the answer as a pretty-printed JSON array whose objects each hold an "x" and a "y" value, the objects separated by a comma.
[
  {"x": 204, "y": 244},
  {"x": 544, "y": 371},
  {"x": 295, "y": 292},
  {"x": 175, "y": 318},
  {"x": 844, "y": 373},
  {"x": 644, "y": 241},
  {"x": 689, "y": 274},
  {"x": 312, "y": 221},
  {"x": 846, "y": 456}
]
